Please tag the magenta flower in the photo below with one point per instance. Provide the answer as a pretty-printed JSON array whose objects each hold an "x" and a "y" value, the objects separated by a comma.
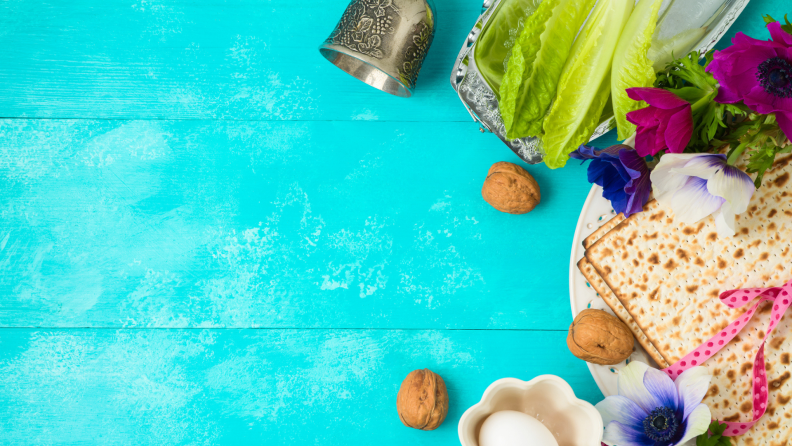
[
  {"x": 759, "y": 73},
  {"x": 666, "y": 124}
]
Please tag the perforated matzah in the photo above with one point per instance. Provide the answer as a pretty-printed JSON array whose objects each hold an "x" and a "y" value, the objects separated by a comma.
[
  {"x": 668, "y": 276},
  {"x": 602, "y": 230},
  {"x": 605, "y": 293}
]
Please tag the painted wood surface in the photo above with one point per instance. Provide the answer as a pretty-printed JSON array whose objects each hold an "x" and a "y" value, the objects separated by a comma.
[
  {"x": 240, "y": 60},
  {"x": 290, "y": 387},
  {"x": 210, "y": 235},
  {"x": 274, "y": 224}
]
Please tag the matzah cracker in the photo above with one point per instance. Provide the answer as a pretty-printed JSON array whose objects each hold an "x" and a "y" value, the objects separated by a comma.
[
  {"x": 669, "y": 275},
  {"x": 602, "y": 230},
  {"x": 605, "y": 293}
]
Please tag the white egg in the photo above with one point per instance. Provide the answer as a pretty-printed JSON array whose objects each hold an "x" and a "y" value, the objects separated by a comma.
[{"x": 512, "y": 428}]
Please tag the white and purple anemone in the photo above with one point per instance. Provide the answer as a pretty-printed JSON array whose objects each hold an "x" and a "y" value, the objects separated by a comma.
[
  {"x": 653, "y": 410},
  {"x": 696, "y": 185}
]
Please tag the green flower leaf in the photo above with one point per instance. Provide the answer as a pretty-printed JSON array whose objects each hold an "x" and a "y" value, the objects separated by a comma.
[{"x": 715, "y": 436}]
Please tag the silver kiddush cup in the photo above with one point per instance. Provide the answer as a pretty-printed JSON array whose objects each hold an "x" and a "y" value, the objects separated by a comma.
[{"x": 383, "y": 42}]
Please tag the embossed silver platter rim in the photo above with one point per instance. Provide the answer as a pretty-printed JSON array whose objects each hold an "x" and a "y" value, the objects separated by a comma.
[{"x": 465, "y": 61}]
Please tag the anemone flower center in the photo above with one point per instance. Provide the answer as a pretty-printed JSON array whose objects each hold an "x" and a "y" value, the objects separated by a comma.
[
  {"x": 661, "y": 424},
  {"x": 775, "y": 76}
]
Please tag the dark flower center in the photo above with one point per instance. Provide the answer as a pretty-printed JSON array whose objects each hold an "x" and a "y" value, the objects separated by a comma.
[
  {"x": 661, "y": 424},
  {"x": 775, "y": 76}
]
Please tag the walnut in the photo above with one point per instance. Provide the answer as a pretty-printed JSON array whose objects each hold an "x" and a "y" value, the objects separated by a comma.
[
  {"x": 600, "y": 338},
  {"x": 509, "y": 188},
  {"x": 423, "y": 400}
]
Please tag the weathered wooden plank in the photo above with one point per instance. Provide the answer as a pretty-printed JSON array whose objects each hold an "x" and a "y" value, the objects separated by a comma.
[
  {"x": 253, "y": 386},
  {"x": 217, "y": 60},
  {"x": 205, "y": 60},
  {"x": 257, "y": 224}
]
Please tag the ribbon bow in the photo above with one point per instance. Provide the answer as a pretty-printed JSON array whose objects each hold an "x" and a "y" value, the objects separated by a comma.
[{"x": 782, "y": 296}]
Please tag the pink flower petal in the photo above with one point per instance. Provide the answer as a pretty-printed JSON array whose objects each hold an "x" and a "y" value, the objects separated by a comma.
[
  {"x": 645, "y": 141},
  {"x": 656, "y": 97},
  {"x": 785, "y": 122},
  {"x": 645, "y": 116},
  {"x": 743, "y": 39},
  {"x": 737, "y": 62},
  {"x": 742, "y": 84},
  {"x": 660, "y": 141},
  {"x": 763, "y": 102},
  {"x": 779, "y": 35},
  {"x": 679, "y": 131},
  {"x": 727, "y": 95}
]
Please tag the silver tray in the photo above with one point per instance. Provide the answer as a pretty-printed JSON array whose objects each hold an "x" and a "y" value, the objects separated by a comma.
[{"x": 715, "y": 17}]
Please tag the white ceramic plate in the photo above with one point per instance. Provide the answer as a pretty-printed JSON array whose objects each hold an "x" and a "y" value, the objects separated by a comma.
[{"x": 596, "y": 212}]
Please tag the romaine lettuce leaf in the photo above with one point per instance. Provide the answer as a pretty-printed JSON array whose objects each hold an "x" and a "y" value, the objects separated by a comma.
[
  {"x": 585, "y": 82},
  {"x": 537, "y": 60},
  {"x": 631, "y": 66},
  {"x": 498, "y": 37},
  {"x": 521, "y": 62}
]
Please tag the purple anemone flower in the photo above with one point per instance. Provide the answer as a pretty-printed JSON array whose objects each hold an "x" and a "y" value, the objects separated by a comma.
[
  {"x": 696, "y": 185},
  {"x": 759, "y": 73},
  {"x": 622, "y": 173},
  {"x": 653, "y": 410}
]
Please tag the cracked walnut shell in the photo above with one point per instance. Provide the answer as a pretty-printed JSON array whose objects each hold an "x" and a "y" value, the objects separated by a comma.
[
  {"x": 510, "y": 188},
  {"x": 600, "y": 338},
  {"x": 423, "y": 400}
]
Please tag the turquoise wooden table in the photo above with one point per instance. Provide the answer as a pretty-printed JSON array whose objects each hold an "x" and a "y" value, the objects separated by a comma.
[{"x": 210, "y": 235}]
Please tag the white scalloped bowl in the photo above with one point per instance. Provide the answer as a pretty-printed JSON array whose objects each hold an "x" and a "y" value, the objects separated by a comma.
[{"x": 548, "y": 398}]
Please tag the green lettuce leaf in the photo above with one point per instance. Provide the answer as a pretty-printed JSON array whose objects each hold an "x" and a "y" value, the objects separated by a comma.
[
  {"x": 631, "y": 66},
  {"x": 521, "y": 62},
  {"x": 498, "y": 37},
  {"x": 536, "y": 62},
  {"x": 585, "y": 83}
]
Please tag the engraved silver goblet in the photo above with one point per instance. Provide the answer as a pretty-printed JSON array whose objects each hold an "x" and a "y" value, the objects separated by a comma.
[{"x": 383, "y": 42}]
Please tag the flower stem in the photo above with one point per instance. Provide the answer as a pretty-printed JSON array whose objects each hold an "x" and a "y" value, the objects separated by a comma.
[
  {"x": 704, "y": 102},
  {"x": 737, "y": 152}
]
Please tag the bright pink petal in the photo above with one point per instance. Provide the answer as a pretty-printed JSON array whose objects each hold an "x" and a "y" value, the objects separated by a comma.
[
  {"x": 645, "y": 116},
  {"x": 737, "y": 62},
  {"x": 784, "y": 105},
  {"x": 736, "y": 87},
  {"x": 759, "y": 100},
  {"x": 645, "y": 141},
  {"x": 660, "y": 140},
  {"x": 727, "y": 95},
  {"x": 656, "y": 97},
  {"x": 785, "y": 122},
  {"x": 779, "y": 35},
  {"x": 763, "y": 102},
  {"x": 679, "y": 131},
  {"x": 742, "y": 41}
]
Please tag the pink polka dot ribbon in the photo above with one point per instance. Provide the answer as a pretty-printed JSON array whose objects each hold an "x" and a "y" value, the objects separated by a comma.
[{"x": 782, "y": 298}]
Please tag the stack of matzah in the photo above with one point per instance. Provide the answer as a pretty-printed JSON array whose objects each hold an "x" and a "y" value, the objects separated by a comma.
[{"x": 663, "y": 279}]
